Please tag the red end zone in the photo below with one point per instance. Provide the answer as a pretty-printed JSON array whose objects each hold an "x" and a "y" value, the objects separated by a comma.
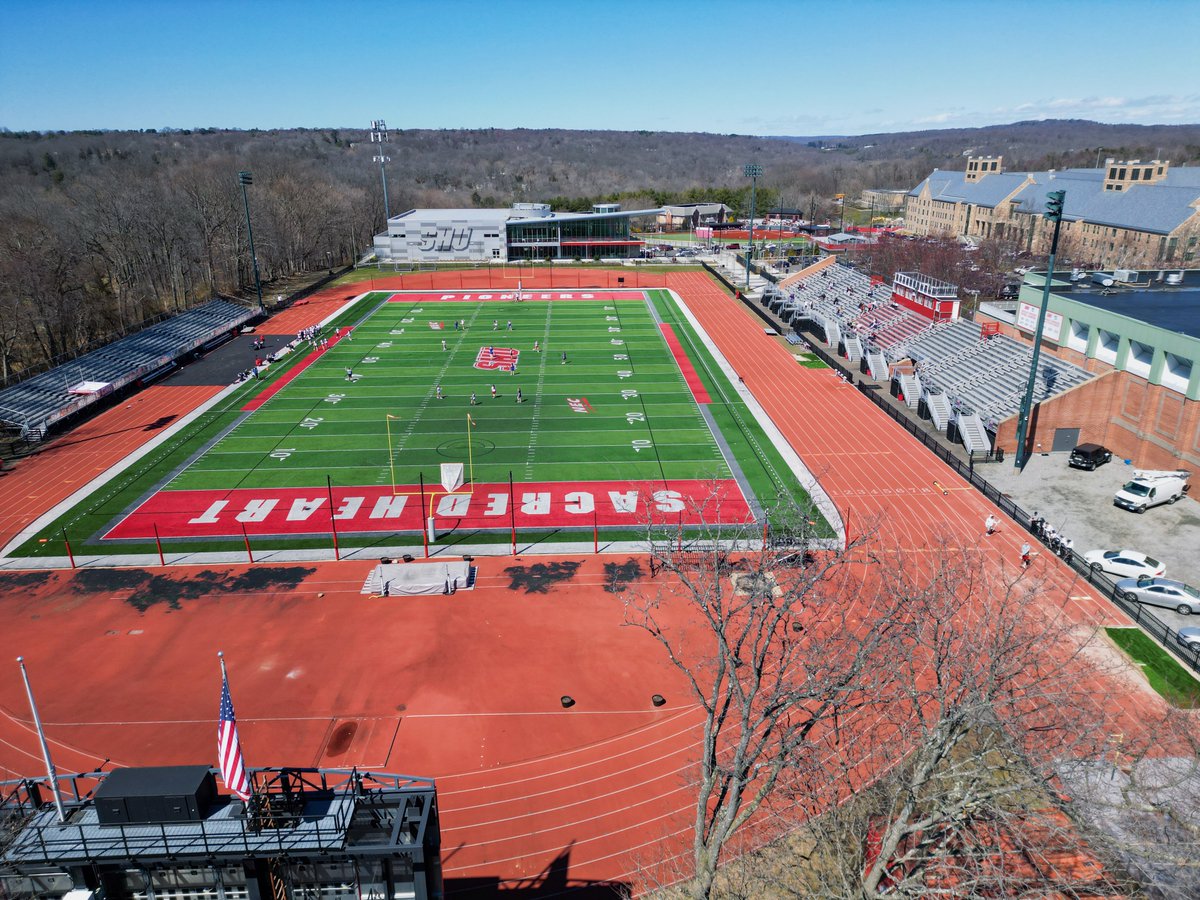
[
  {"x": 299, "y": 511},
  {"x": 478, "y": 296}
]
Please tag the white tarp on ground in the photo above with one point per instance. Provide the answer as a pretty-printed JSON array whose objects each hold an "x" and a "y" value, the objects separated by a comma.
[{"x": 395, "y": 579}]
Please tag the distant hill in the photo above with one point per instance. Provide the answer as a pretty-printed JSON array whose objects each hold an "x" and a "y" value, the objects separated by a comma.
[{"x": 106, "y": 228}]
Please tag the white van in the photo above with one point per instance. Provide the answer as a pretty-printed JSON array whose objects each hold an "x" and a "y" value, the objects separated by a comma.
[{"x": 1152, "y": 488}]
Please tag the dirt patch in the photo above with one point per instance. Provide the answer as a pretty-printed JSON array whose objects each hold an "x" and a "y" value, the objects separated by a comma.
[
  {"x": 540, "y": 577},
  {"x": 340, "y": 740},
  {"x": 619, "y": 576},
  {"x": 146, "y": 590},
  {"x": 15, "y": 581}
]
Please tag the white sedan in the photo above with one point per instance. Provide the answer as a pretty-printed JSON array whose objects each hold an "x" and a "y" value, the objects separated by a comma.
[
  {"x": 1190, "y": 636},
  {"x": 1163, "y": 592},
  {"x": 1125, "y": 563}
]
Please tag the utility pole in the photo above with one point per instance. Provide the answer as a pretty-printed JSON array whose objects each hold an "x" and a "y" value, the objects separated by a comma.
[{"x": 1054, "y": 212}]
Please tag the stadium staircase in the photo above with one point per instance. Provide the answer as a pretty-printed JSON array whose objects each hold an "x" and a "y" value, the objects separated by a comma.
[
  {"x": 877, "y": 365},
  {"x": 854, "y": 348},
  {"x": 910, "y": 386},
  {"x": 940, "y": 412},
  {"x": 972, "y": 433},
  {"x": 833, "y": 333}
]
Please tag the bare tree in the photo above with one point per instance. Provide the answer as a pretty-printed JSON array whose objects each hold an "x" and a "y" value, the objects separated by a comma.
[
  {"x": 957, "y": 792},
  {"x": 780, "y": 660}
]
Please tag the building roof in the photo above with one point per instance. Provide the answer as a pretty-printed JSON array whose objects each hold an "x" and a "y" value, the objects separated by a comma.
[
  {"x": 681, "y": 209},
  {"x": 576, "y": 217},
  {"x": 1172, "y": 308},
  {"x": 1157, "y": 208},
  {"x": 498, "y": 216}
]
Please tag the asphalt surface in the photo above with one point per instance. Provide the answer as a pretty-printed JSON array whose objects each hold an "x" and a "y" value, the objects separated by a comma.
[
  {"x": 222, "y": 365},
  {"x": 1079, "y": 504}
]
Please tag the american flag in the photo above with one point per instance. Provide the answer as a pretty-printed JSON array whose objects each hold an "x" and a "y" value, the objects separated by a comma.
[{"x": 229, "y": 749}]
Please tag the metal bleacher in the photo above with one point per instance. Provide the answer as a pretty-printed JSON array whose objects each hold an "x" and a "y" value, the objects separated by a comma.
[
  {"x": 37, "y": 402},
  {"x": 969, "y": 374},
  {"x": 987, "y": 375}
]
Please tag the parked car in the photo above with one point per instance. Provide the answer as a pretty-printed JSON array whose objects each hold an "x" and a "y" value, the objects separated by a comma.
[
  {"x": 1163, "y": 592},
  {"x": 1152, "y": 487},
  {"x": 1189, "y": 636},
  {"x": 1089, "y": 456},
  {"x": 1125, "y": 563}
]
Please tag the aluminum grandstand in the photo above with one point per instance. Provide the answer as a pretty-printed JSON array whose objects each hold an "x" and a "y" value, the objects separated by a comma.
[
  {"x": 35, "y": 404},
  {"x": 959, "y": 375}
]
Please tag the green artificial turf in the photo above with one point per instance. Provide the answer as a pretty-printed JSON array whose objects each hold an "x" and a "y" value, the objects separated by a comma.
[
  {"x": 388, "y": 427},
  {"x": 1162, "y": 670}
]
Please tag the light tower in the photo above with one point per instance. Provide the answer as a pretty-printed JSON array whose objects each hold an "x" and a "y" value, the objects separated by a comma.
[
  {"x": 751, "y": 171},
  {"x": 379, "y": 135},
  {"x": 244, "y": 179},
  {"x": 1054, "y": 212}
]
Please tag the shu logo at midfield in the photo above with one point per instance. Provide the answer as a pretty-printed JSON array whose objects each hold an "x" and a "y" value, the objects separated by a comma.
[{"x": 504, "y": 358}]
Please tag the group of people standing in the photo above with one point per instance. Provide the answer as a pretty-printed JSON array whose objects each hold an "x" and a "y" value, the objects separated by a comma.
[{"x": 1059, "y": 544}]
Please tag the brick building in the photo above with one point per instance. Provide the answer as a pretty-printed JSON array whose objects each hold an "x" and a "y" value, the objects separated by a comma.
[
  {"x": 1141, "y": 338},
  {"x": 1126, "y": 214}
]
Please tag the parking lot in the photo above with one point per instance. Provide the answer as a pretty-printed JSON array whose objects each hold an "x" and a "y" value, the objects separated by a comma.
[{"x": 1079, "y": 504}]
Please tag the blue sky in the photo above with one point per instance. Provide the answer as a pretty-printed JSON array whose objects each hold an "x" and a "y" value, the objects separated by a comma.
[{"x": 746, "y": 67}]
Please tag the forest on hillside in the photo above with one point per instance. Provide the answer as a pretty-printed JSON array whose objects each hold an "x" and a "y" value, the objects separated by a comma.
[{"x": 103, "y": 230}]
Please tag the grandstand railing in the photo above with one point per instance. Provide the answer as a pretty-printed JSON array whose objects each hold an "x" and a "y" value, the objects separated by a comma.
[{"x": 1142, "y": 615}]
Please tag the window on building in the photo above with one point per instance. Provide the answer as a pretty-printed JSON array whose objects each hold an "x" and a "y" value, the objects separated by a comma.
[{"x": 1135, "y": 175}]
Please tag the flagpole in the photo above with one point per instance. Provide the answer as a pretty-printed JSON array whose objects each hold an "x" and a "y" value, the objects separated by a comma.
[
  {"x": 225, "y": 686},
  {"x": 51, "y": 774}
]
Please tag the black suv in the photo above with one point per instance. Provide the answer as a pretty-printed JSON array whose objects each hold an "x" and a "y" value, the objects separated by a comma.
[{"x": 1089, "y": 456}]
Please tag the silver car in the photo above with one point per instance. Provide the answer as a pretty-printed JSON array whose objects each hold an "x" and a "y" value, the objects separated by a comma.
[{"x": 1163, "y": 592}]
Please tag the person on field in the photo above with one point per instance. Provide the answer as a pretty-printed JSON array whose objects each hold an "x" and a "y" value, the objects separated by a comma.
[
  {"x": 1026, "y": 555},
  {"x": 474, "y": 402},
  {"x": 520, "y": 399},
  {"x": 438, "y": 392},
  {"x": 493, "y": 392},
  {"x": 990, "y": 524},
  {"x": 443, "y": 345}
]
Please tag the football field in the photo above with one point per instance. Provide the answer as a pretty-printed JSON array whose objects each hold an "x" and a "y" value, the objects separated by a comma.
[{"x": 553, "y": 411}]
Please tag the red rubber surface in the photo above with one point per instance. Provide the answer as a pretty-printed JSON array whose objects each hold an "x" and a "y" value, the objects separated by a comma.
[{"x": 466, "y": 688}]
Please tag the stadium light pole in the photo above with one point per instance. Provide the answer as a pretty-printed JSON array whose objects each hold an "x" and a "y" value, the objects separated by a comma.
[
  {"x": 244, "y": 179},
  {"x": 379, "y": 135},
  {"x": 751, "y": 171},
  {"x": 1054, "y": 212}
]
